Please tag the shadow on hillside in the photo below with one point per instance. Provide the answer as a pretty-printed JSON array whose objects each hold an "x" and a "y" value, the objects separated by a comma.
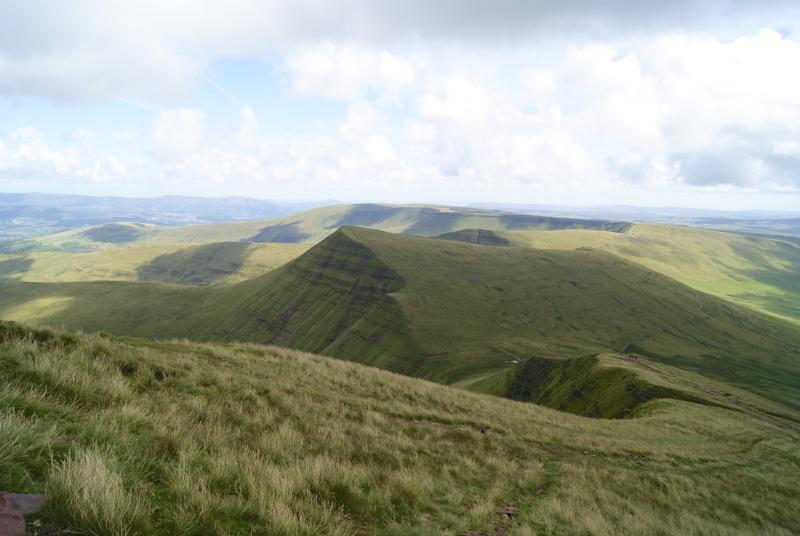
[
  {"x": 113, "y": 233},
  {"x": 366, "y": 215},
  {"x": 280, "y": 233},
  {"x": 198, "y": 265},
  {"x": 12, "y": 269}
]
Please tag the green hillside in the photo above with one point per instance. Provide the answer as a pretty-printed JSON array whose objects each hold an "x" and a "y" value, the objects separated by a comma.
[
  {"x": 448, "y": 311},
  {"x": 176, "y": 438},
  {"x": 201, "y": 264},
  {"x": 310, "y": 227},
  {"x": 475, "y": 236},
  {"x": 313, "y": 225},
  {"x": 755, "y": 271},
  {"x": 758, "y": 272}
]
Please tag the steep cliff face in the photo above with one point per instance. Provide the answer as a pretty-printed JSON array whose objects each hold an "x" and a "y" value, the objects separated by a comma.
[
  {"x": 583, "y": 386},
  {"x": 336, "y": 299}
]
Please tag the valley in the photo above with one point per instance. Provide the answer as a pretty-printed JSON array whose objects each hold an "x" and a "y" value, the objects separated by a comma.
[{"x": 538, "y": 353}]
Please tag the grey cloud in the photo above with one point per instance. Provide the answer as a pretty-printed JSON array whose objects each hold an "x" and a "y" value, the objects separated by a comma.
[
  {"x": 736, "y": 169},
  {"x": 785, "y": 167},
  {"x": 75, "y": 48},
  {"x": 707, "y": 169}
]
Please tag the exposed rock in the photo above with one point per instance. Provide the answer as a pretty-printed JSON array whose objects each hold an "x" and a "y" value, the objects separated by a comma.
[
  {"x": 508, "y": 511},
  {"x": 13, "y": 508}
]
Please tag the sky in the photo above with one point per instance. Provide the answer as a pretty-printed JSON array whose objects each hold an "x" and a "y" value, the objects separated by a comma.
[{"x": 570, "y": 102}]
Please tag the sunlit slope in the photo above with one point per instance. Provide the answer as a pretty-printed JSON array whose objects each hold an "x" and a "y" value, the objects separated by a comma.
[
  {"x": 202, "y": 264},
  {"x": 480, "y": 304},
  {"x": 179, "y": 439},
  {"x": 760, "y": 273},
  {"x": 315, "y": 224},
  {"x": 443, "y": 310},
  {"x": 306, "y": 227}
]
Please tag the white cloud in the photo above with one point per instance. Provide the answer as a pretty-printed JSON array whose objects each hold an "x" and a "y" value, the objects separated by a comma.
[
  {"x": 597, "y": 117},
  {"x": 79, "y": 135},
  {"x": 24, "y": 153},
  {"x": 179, "y": 131},
  {"x": 348, "y": 72},
  {"x": 434, "y": 93}
]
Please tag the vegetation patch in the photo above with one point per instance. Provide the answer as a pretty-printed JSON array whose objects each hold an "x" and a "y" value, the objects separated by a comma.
[
  {"x": 442, "y": 310},
  {"x": 475, "y": 236},
  {"x": 114, "y": 233},
  {"x": 281, "y": 233},
  {"x": 581, "y": 386},
  {"x": 246, "y": 439},
  {"x": 206, "y": 264}
]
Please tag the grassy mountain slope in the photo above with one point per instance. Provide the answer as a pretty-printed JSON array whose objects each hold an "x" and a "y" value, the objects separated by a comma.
[
  {"x": 138, "y": 437},
  {"x": 583, "y": 386},
  {"x": 475, "y": 236},
  {"x": 761, "y": 273},
  {"x": 315, "y": 224},
  {"x": 202, "y": 264},
  {"x": 310, "y": 226},
  {"x": 755, "y": 271},
  {"x": 444, "y": 310}
]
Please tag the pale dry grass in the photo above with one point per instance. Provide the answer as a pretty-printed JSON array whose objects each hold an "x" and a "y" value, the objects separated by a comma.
[{"x": 190, "y": 439}]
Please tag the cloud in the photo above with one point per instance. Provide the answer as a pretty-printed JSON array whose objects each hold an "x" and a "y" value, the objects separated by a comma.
[
  {"x": 79, "y": 135},
  {"x": 450, "y": 95},
  {"x": 179, "y": 131},
  {"x": 25, "y": 154},
  {"x": 150, "y": 49},
  {"x": 348, "y": 72}
]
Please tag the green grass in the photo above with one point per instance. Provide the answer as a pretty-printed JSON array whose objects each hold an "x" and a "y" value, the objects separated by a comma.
[
  {"x": 305, "y": 227},
  {"x": 179, "y": 438},
  {"x": 760, "y": 273},
  {"x": 445, "y": 311},
  {"x": 582, "y": 386},
  {"x": 202, "y": 264},
  {"x": 475, "y": 236},
  {"x": 754, "y": 271}
]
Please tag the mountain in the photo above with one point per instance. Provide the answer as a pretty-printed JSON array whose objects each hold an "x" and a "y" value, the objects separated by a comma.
[
  {"x": 25, "y": 215},
  {"x": 759, "y": 272},
  {"x": 781, "y": 223},
  {"x": 309, "y": 226},
  {"x": 475, "y": 236},
  {"x": 414, "y": 220},
  {"x": 131, "y": 436},
  {"x": 217, "y": 263},
  {"x": 448, "y": 311}
]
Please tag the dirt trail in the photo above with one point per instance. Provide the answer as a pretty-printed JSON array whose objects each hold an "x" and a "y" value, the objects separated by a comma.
[{"x": 725, "y": 399}]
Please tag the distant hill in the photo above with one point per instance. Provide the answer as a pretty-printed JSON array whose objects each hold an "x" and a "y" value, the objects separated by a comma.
[
  {"x": 26, "y": 215},
  {"x": 218, "y": 263},
  {"x": 309, "y": 227},
  {"x": 414, "y": 220},
  {"x": 475, "y": 236},
  {"x": 760, "y": 272},
  {"x": 447, "y": 311},
  {"x": 782, "y": 223}
]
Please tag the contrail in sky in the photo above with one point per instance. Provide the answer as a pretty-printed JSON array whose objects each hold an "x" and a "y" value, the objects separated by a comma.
[{"x": 224, "y": 92}]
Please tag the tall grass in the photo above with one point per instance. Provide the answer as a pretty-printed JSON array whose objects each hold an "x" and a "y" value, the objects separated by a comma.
[
  {"x": 88, "y": 492},
  {"x": 140, "y": 437}
]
